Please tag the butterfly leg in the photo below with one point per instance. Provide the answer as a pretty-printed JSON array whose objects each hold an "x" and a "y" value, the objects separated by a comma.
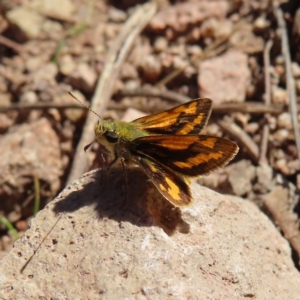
[
  {"x": 111, "y": 164},
  {"x": 126, "y": 180},
  {"x": 107, "y": 171}
]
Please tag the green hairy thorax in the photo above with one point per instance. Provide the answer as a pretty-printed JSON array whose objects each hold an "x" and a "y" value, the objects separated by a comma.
[
  {"x": 127, "y": 131},
  {"x": 120, "y": 132}
]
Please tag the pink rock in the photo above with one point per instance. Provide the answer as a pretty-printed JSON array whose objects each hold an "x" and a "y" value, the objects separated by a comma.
[{"x": 224, "y": 78}]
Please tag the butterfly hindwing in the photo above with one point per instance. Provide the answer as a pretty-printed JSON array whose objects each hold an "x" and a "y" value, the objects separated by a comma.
[
  {"x": 174, "y": 188},
  {"x": 188, "y": 118},
  {"x": 187, "y": 155}
]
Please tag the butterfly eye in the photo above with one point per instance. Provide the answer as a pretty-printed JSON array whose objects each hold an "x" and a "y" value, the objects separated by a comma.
[{"x": 111, "y": 136}]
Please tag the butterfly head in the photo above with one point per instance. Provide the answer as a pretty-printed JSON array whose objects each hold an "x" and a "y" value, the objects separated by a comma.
[{"x": 105, "y": 134}]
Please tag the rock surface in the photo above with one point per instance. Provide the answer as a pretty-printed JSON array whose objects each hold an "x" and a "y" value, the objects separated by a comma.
[
  {"x": 106, "y": 246},
  {"x": 224, "y": 78}
]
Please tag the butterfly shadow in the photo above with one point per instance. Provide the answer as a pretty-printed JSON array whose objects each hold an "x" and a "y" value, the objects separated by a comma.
[{"x": 129, "y": 197}]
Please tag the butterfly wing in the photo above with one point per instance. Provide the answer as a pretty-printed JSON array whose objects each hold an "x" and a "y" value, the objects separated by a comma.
[
  {"x": 187, "y": 155},
  {"x": 188, "y": 118},
  {"x": 173, "y": 187}
]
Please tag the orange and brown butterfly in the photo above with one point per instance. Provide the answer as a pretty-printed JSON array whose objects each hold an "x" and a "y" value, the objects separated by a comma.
[{"x": 168, "y": 147}]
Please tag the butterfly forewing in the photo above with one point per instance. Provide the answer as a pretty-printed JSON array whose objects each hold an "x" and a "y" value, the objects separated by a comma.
[
  {"x": 174, "y": 188},
  {"x": 186, "y": 155},
  {"x": 188, "y": 118}
]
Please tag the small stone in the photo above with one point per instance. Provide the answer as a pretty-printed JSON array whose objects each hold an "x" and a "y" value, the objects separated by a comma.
[
  {"x": 285, "y": 121},
  {"x": 213, "y": 129},
  {"x": 61, "y": 9},
  {"x": 293, "y": 166},
  {"x": 241, "y": 176},
  {"x": 245, "y": 40},
  {"x": 280, "y": 165},
  {"x": 281, "y": 135},
  {"x": 5, "y": 122},
  {"x": 279, "y": 60},
  {"x": 6, "y": 242},
  {"x": 194, "y": 35},
  {"x": 261, "y": 23},
  {"x": 84, "y": 78},
  {"x": 128, "y": 71},
  {"x": 287, "y": 168},
  {"x": 178, "y": 50},
  {"x": 5, "y": 99},
  {"x": 264, "y": 178},
  {"x": 160, "y": 44},
  {"x": 279, "y": 96},
  {"x": 151, "y": 67},
  {"x": 298, "y": 181},
  {"x": 132, "y": 114},
  {"x": 295, "y": 69},
  {"x": 251, "y": 127},
  {"x": 297, "y": 83},
  {"x": 179, "y": 63},
  {"x": 116, "y": 15},
  {"x": 194, "y": 50},
  {"x": 242, "y": 118},
  {"x": 216, "y": 28},
  {"x": 166, "y": 59},
  {"x": 21, "y": 225},
  {"x": 29, "y": 97},
  {"x": 272, "y": 120},
  {"x": 28, "y": 20},
  {"x": 279, "y": 70},
  {"x": 67, "y": 65},
  {"x": 47, "y": 72},
  {"x": 131, "y": 84},
  {"x": 209, "y": 27},
  {"x": 72, "y": 114},
  {"x": 111, "y": 30},
  {"x": 3, "y": 84},
  {"x": 33, "y": 63},
  {"x": 278, "y": 153},
  {"x": 52, "y": 28}
]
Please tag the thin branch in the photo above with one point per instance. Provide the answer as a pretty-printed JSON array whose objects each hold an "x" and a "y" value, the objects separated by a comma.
[
  {"x": 278, "y": 203},
  {"x": 241, "y": 136},
  {"x": 116, "y": 56},
  {"x": 224, "y": 108},
  {"x": 11, "y": 44},
  {"x": 266, "y": 128},
  {"x": 39, "y": 105},
  {"x": 246, "y": 107},
  {"x": 289, "y": 75}
]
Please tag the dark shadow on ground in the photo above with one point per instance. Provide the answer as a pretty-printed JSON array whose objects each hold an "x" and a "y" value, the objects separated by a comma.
[{"x": 136, "y": 201}]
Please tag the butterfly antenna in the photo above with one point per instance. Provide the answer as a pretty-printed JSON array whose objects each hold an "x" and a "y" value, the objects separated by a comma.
[{"x": 72, "y": 95}]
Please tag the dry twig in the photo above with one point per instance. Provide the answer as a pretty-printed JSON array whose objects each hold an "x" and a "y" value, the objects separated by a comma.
[
  {"x": 224, "y": 108},
  {"x": 241, "y": 136},
  {"x": 277, "y": 203},
  {"x": 39, "y": 105},
  {"x": 289, "y": 75},
  {"x": 255, "y": 108},
  {"x": 266, "y": 128},
  {"x": 116, "y": 56},
  {"x": 11, "y": 44}
]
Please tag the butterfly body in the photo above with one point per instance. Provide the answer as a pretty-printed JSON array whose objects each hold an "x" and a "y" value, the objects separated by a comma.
[{"x": 168, "y": 147}]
